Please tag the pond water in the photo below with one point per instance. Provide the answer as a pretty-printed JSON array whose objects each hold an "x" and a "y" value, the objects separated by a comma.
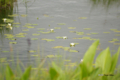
[{"x": 75, "y": 19}]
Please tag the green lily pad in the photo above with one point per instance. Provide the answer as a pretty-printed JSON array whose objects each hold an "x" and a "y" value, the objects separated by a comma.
[
  {"x": 80, "y": 33},
  {"x": 58, "y": 37},
  {"x": 66, "y": 48},
  {"x": 87, "y": 28},
  {"x": 34, "y": 55},
  {"x": 16, "y": 26},
  {"x": 61, "y": 24},
  {"x": 48, "y": 40},
  {"x": 14, "y": 15},
  {"x": 46, "y": 32},
  {"x": 20, "y": 36},
  {"x": 11, "y": 39},
  {"x": 2, "y": 59},
  {"x": 2, "y": 24},
  {"x": 106, "y": 32},
  {"x": 73, "y": 50},
  {"x": 45, "y": 15},
  {"x": 25, "y": 30},
  {"x": 58, "y": 47},
  {"x": 23, "y": 15},
  {"x": 9, "y": 20},
  {"x": 35, "y": 34},
  {"x": 5, "y": 51},
  {"x": 71, "y": 27},
  {"x": 82, "y": 17},
  {"x": 13, "y": 42},
  {"x": 41, "y": 29},
  {"x": 117, "y": 34},
  {"x": 32, "y": 51}
]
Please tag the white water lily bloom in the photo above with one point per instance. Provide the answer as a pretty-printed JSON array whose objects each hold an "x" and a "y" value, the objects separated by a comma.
[
  {"x": 11, "y": 28},
  {"x": 52, "y": 30},
  {"x": 4, "y": 19},
  {"x": 81, "y": 60},
  {"x": 72, "y": 44},
  {"x": 9, "y": 24},
  {"x": 64, "y": 37}
]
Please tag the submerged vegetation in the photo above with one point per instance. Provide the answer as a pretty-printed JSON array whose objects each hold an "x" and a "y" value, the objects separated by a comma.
[{"x": 104, "y": 67}]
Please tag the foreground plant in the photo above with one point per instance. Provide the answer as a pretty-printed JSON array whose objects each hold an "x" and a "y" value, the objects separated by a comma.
[{"x": 103, "y": 69}]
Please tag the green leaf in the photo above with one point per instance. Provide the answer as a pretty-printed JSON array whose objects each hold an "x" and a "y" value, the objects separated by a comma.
[
  {"x": 104, "y": 61},
  {"x": 114, "y": 60},
  {"x": 9, "y": 74},
  {"x": 53, "y": 74},
  {"x": 26, "y": 74},
  {"x": 89, "y": 55}
]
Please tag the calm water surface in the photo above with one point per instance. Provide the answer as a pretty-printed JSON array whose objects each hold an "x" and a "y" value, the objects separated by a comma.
[{"x": 47, "y": 14}]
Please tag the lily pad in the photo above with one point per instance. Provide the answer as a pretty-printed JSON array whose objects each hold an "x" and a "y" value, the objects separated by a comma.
[
  {"x": 50, "y": 56},
  {"x": 5, "y": 51},
  {"x": 45, "y": 15},
  {"x": 46, "y": 32},
  {"x": 23, "y": 15},
  {"x": 35, "y": 34},
  {"x": 61, "y": 24},
  {"x": 25, "y": 30},
  {"x": 16, "y": 26},
  {"x": 106, "y": 32},
  {"x": 82, "y": 17},
  {"x": 71, "y": 27},
  {"x": 34, "y": 55},
  {"x": 59, "y": 37},
  {"x": 66, "y": 48},
  {"x": 73, "y": 50},
  {"x": 14, "y": 15},
  {"x": 58, "y": 47},
  {"x": 87, "y": 28},
  {"x": 32, "y": 51},
  {"x": 41, "y": 29},
  {"x": 13, "y": 42}
]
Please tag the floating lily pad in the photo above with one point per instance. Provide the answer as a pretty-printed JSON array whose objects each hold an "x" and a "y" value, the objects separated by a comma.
[
  {"x": 58, "y": 47},
  {"x": 16, "y": 26},
  {"x": 13, "y": 42},
  {"x": 61, "y": 24},
  {"x": 73, "y": 50},
  {"x": 88, "y": 34},
  {"x": 35, "y": 34},
  {"x": 41, "y": 29},
  {"x": 25, "y": 30},
  {"x": 48, "y": 39},
  {"x": 80, "y": 33},
  {"x": 23, "y": 15},
  {"x": 46, "y": 32},
  {"x": 11, "y": 39},
  {"x": 72, "y": 31},
  {"x": 14, "y": 15},
  {"x": 115, "y": 39},
  {"x": 2, "y": 59},
  {"x": 5, "y": 51},
  {"x": 117, "y": 34},
  {"x": 113, "y": 29},
  {"x": 50, "y": 56},
  {"x": 34, "y": 38},
  {"x": 57, "y": 27},
  {"x": 9, "y": 20},
  {"x": 87, "y": 28},
  {"x": 2, "y": 24},
  {"x": 58, "y": 37},
  {"x": 32, "y": 51},
  {"x": 45, "y": 15},
  {"x": 116, "y": 31},
  {"x": 20, "y": 36},
  {"x": 74, "y": 20},
  {"x": 111, "y": 41},
  {"x": 82, "y": 17},
  {"x": 116, "y": 43},
  {"x": 66, "y": 48},
  {"x": 71, "y": 27},
  {"x": 106, "y": 32}
]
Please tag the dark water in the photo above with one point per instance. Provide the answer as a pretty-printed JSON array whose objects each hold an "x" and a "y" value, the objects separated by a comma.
[{"x": 47, "y": 14}]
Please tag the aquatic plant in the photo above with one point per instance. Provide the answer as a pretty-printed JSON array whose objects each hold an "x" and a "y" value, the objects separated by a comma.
[{"x": 104, "y": 68}]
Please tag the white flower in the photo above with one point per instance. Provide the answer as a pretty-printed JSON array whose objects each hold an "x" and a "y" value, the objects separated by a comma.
[
  {"x": 64, "y": 37},
  {"x": 52, "y": 30},
  {"x": 9, "y": 24},
  {"x": 4, "y": 19}
]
